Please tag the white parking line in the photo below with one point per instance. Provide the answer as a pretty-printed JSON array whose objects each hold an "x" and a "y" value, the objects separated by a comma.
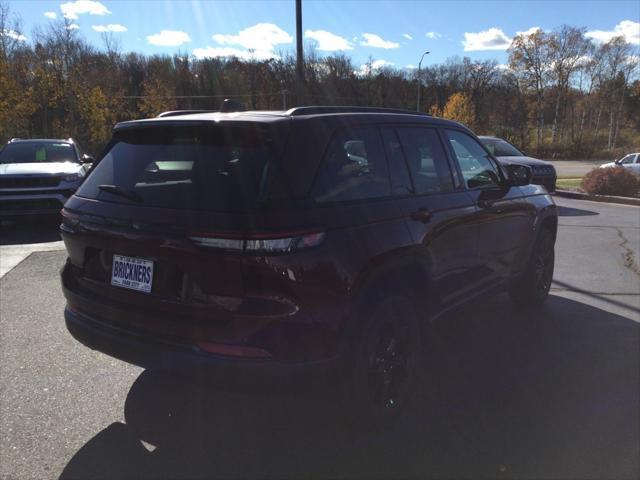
[{"x": 12, "y": 255}]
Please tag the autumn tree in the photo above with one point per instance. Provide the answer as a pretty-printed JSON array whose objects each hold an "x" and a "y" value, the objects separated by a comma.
[
  {"x": 95, "y": 115},
  {"x": 156, "y": 97},
  {"x": 460, "y": 108}
]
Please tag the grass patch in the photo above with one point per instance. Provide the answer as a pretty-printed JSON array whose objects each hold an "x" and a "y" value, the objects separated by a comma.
[{"x": 568, "y": 183}]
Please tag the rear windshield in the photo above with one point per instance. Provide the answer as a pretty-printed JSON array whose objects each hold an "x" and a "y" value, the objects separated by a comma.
[
  {"x": 501, "y": 148},
  {"x": 38, "y": 152},
  {"x": 215, "y": 168}
]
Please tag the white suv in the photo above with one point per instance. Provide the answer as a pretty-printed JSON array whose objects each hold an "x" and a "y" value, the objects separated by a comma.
[{"x": 37, "y": 176}]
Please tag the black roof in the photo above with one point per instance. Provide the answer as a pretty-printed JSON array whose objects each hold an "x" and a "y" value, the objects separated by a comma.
[{"x": 274, "y": 116}]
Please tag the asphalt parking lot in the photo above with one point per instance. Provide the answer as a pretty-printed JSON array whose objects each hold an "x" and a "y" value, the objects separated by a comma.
[{"x": 505, "y": 393}]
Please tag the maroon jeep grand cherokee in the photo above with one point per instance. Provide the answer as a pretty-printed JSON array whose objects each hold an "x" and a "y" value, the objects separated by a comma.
[{"x": 321, "y": 240}]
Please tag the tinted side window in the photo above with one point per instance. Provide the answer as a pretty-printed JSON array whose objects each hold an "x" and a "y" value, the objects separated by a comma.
[
  {"x": 354, "y": 167},
  {"x": 426, "y": 160},
  {"x": 477, "y": 169},
  {"x": 400, "y": 180}
]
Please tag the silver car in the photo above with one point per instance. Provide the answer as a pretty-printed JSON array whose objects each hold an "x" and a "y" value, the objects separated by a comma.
[{"x": 38, "y": 175}]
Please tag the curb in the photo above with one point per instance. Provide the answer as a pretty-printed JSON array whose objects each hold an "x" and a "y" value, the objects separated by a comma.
[{"x": 598, "y": 198}]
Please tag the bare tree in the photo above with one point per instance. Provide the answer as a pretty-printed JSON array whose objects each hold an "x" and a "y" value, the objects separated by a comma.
[
  {"x": 529, "y": 58},
  {"x": 10, "y": 32},
  {"x": 567, "y": 50}
]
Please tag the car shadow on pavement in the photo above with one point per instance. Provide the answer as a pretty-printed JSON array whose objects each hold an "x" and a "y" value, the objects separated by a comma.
[
  {"x": 30, "y": 230},
  {"x": 574, "y": 212},
  {"x": 505, "y": 394}
]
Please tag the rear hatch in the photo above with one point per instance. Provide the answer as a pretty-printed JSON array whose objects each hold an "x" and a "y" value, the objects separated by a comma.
[{"x": 160, "y": 222}]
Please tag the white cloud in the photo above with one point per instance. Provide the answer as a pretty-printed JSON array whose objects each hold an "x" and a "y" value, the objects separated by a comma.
[
  {"x": 411, "y": 67},
  {"x": 214, "y": 52},
  {"x": 373, "y": 40},
  {"x": 433, "y": 35},
  {"x": 112, "y": 27},
  {"x": 529, "y": 31},
  {"x": 73, "y": 26},
  {"x": 327, "y": 41},
  {"x": 14, "y": 35},
  {"x": 381, "y": 63},
  {"x": 71, "y": 10},
  {"x": 260, "y": 37},
  {"x": 492, "y": 39},
  {"x": 50, "y": 15},
  {"x": 168, "y": 38},
  {"x": 366, "y": 68},
  {"x": 503, "y": 67},
  {"x": 407, "y": 36},
  {"x": 628, "y": 29}
]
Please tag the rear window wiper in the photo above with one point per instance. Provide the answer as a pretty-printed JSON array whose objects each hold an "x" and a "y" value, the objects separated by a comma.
[{"x": 123, "y": 192}]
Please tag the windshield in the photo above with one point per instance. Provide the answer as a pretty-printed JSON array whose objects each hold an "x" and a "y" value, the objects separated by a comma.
[
  {"x": 187, "y": 167},
  {"x": 501, "y": 148},
  {"x": 38, "y": 152}
]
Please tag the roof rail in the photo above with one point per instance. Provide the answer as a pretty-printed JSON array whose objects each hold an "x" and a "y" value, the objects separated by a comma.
[
  {"x": 297, "y": 111},
  {"x": 175, "y": 113}
]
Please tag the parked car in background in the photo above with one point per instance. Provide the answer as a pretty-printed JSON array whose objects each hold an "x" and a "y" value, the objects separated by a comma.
[
  {"x": 631, "y": 162},
  {"x": 319, "y": 242},
  {"x": 544, "y": 173},
  {"x": 37, "y": 176}
]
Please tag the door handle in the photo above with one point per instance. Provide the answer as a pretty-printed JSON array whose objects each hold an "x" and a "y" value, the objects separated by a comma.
[{"x": 421, "y": 215}]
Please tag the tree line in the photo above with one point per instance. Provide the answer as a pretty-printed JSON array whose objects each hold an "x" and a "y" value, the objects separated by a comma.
[{"x": 561, "y": 95}]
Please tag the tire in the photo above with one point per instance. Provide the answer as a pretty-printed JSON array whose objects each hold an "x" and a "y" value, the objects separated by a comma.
[
  {"x": 380, "y": 377},
  {"x": 532, "y": 289}
]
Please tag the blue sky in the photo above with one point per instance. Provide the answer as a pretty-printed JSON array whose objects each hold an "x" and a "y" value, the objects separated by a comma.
[{"x": 391, "y": 32}]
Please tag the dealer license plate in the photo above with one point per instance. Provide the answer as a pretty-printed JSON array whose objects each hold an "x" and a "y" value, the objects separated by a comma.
[{"x": 132, "y": 273}]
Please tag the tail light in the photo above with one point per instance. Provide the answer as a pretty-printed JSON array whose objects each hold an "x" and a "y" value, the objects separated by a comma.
[
  {"x": 284, "y": 242},
  {"x": 69, "y": 220}
]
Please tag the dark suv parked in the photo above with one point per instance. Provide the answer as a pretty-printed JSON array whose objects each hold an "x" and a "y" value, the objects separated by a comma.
[
  {"x": 317, "y": 241},
  {"x": 543, "y": 173}
]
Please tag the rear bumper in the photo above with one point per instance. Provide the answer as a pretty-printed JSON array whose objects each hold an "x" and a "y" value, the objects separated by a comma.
[{"x": 157, "y": 354}]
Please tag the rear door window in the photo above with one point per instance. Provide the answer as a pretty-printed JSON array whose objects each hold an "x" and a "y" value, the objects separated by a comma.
[
  {"x": 353, "y": 168},
  {"x": 216, "y": 168},
  {"x": 426, "y": 160}
]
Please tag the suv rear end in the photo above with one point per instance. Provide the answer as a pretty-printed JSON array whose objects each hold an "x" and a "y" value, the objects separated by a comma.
[{"x": 186, "y": 250}]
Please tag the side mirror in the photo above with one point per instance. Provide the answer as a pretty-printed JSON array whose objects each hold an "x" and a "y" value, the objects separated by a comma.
[
  {"x": 87, "y": 159},
  {"x": 518, "y": 175}
]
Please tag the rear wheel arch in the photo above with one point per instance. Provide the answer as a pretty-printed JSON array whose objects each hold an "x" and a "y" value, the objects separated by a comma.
[
  {"x": 405, "y": 277},
  {"x": 550, "y": 223}
]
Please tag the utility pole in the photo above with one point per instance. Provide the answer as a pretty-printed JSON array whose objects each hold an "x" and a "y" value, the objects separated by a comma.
[
  {"x": 299, "y": 55},
  {"x": 420, "y": 81}
]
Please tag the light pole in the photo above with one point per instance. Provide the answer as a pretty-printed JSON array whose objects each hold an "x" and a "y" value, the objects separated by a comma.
[
  {"x": 299, "y": 55},
  {"x": 419, "y": 80}
]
